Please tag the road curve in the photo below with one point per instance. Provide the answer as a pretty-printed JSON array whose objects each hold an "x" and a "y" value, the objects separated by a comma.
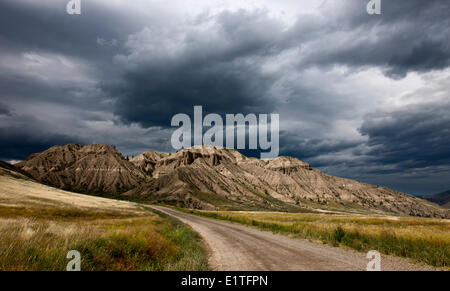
[{"x": 239, "y": 248}]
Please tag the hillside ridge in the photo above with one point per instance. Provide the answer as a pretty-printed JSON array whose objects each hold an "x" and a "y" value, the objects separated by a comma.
[{"x": 208, "y": 177}]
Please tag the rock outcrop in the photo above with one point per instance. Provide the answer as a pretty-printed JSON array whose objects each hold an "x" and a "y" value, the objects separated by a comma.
[{"x": 94, "y": 169}]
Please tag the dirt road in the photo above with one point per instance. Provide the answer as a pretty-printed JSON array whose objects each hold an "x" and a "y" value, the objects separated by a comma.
[{"x": 240, "y": 248}]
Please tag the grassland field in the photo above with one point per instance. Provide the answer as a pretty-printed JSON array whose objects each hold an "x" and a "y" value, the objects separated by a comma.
[
  {"x": 423, "y": 240},
  {"x": 40, "y": 224}
]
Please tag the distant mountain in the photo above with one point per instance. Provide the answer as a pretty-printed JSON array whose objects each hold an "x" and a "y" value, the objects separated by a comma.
[
  {"x": 94, "y": 169},
  {"x": 205, "y": 177},
  {"x": 442, "y": 199}
]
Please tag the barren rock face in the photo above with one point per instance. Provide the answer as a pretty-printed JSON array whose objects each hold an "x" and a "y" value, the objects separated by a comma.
[
  {"x": 147, "y": 161},
  {"x": 223, "y": 178},
  {"x": 92, "y": 169},
  {"x": 206, "y": 177}
]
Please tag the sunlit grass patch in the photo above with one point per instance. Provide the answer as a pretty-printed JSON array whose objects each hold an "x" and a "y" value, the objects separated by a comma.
[
  {"x": 40, "y": 224},
  {"x": 39, "y": 239},
  {"x": 144, "y": 243}
]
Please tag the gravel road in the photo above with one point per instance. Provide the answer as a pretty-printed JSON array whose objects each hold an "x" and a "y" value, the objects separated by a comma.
[{"x": 239, "y": 248}]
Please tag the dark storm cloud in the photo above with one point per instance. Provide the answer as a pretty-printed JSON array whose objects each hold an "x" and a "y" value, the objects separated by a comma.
[
  {"x": 121, "y": 72},
  {"x": 27, "y": 26},
  {"x": 51, "y": 63},
  {"x": 17, "y": 143},
  {"x": 4, "y": 110},
  {"x": 19, "y": 147},
  {"x": 222, "y": 73},
  {"x": 19, "y": 88},
  {"x": 416, "y": 136},
  {"x": 221, "y": 88},
  {"x": 408, "y": 36},
  {"x": 50, "y": 58},
  {"x": 305, "y": 148}
]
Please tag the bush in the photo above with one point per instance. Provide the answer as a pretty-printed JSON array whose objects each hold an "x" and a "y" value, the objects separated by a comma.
[{"x": 338, "y": 234}]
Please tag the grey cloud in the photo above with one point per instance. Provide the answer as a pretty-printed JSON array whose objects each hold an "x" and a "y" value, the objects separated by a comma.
[
  {"x": 415, "y": 136},
  {"x": 139, "y": 70},
  {"x": 17, "y": 143},
  {"x": 4, "y": 110},
  {"x": 221, "y": 88},
  {"x": 304, "y": 148},
  {"x": 223, "y": 69},
  {"x": 222, "y": 73},
  {"x": 409, "y": 36},
  {"x": 26, "y": 26}
]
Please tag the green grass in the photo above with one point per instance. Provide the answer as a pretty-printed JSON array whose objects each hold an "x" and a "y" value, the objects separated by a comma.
[
  {"x": 58, "y": 213},
  {"x": 421, "y": 239}
]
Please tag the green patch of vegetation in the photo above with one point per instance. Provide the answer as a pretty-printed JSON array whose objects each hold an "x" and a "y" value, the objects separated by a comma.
[
  {"x": 59, "y": 213},
  {"x": 338, "y": 234},
  {"x": 218, "y": 201},
  {"x": 193, "y": 254}
]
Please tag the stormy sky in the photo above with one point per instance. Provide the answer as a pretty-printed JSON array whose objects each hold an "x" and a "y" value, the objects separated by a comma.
[{"x": 360, "y": 96}]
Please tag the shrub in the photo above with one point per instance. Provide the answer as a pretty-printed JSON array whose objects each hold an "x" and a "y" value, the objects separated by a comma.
[{"x": 338, "y": 234}]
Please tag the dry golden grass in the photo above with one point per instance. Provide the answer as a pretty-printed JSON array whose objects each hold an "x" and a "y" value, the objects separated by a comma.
[
  {"x": 40, "y": 224},
  {"x": 24, "y": 192},
  {"x": 423, "y": 239},
  {"x": 144, "y": 243}
]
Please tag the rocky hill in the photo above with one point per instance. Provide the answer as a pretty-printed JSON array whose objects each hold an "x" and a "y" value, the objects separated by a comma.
[
  {"x": 94, "y": 169},
  {"x": 209, "y": 178},
  {"x": 205, "y": 177},
  {"x": 147, "y": 161},
  {"x": 12, "y": 170}
]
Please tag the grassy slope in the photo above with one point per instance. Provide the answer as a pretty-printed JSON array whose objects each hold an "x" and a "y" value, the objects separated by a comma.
[
  {"x": 40, "y": 224},
  {"x": 424, "y": 240}
]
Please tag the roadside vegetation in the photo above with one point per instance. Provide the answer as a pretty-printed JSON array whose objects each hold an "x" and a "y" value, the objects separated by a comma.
[
  {"x": 109, "y": 243},
  {"x": 421, "y": 239},
  {"x": 40, "y": 224}
]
